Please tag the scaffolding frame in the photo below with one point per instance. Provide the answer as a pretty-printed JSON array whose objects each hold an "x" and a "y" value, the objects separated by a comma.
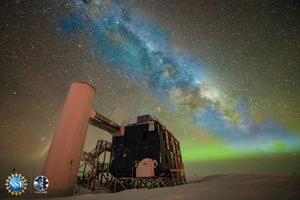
[{"x": 94, "y": 166}]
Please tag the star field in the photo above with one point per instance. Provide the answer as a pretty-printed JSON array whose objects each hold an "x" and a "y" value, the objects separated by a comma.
[{"x": 246, "y": 53}]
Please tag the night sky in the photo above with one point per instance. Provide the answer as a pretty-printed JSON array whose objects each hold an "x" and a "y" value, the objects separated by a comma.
[{"x": 223, "y": 76}]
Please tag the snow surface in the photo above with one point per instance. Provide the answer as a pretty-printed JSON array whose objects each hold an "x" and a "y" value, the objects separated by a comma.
[{"x": 233, "y": 187}]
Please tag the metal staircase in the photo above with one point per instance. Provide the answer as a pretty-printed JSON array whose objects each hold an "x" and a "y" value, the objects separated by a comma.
[{"x": 94, "y": 166}]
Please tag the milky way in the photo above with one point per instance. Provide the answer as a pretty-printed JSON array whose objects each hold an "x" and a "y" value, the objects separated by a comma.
[
  {"x": 223, "y": 76},
  {"x": 141, "y": 50}
]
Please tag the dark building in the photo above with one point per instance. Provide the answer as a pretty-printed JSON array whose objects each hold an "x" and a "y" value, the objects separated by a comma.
[{"x": 147, "y": 149}]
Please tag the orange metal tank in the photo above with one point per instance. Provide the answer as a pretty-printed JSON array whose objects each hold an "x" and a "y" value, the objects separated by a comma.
[{"x": 64, "y": 155}]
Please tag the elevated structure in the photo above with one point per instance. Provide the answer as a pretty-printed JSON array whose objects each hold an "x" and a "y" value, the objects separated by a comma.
[{"x": 142, "y": 154}]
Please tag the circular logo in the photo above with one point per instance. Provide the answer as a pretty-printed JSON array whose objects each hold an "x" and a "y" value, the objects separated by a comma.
[
  {"x": 41, "y": 183},
  {"x": 16, "y": 184}
]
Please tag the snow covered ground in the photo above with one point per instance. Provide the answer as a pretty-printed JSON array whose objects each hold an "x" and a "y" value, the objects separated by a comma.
[{"x": 232, "y": 187}]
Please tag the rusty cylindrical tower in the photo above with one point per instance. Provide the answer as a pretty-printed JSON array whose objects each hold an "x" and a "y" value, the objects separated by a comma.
[{"x": 64, "y": 155}]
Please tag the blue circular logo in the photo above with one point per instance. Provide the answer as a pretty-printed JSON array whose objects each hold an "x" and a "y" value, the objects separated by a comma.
[
  {"x": 16, "y": 184},
  {"x": 41, "y": 183}
]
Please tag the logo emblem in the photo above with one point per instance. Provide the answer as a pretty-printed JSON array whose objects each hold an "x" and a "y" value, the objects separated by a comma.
[
  {"x": 41, "y": 184},
  {"x": 16, "y": 184}
]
